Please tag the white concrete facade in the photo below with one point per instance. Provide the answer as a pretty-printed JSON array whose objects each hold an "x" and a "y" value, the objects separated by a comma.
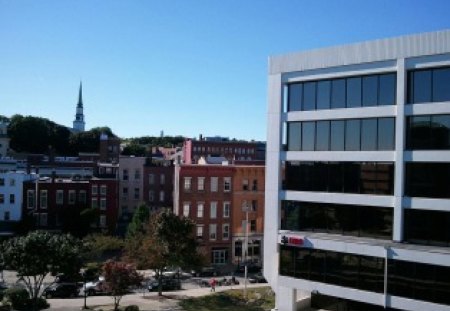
[
  {"x": 11, "y": 189},
  {"x": 399, "y": 55}
]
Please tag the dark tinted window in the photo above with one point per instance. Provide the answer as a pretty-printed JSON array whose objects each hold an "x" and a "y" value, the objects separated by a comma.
[
  {"x": 422, "y": 86},
  {"x": 419, "y": 132},
  {"x": 323, "y": 135},
  {"x": 338, "y": 93},
  {"x": 440, "y": 131},
  {"x": 369, "y": 134},
  {"x": 294, "y": 136},
  {"x": 429, "y": 180},
  {"x": 386, "y": 134},
  {"x": 295, "y": 95},
  {"x": 337, "y": 135},
  {"x": 441, "y": 85},
  {"x": 309, "y": 96},
  {"x": 352, "y": 135},
  {"x": 308, "y": 135},
  {"x": 427, "y": 227},
  {"x": 323, "y": 94},
  {"x": 370, "y": 91},
  {"x": 352, "y": 220},
  {"x": 354, "y": 92},
  {"x": 387, "y": 89}
]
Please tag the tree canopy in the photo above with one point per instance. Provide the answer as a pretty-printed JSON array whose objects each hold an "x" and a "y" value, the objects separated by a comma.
[
  {"x": 37, "y": 135},
  {"x": 168, "y": 240},
  {"x": 141, "y": 218},
  {"x": 164, "y": 141},
  {"x": 39, "y": 253}
]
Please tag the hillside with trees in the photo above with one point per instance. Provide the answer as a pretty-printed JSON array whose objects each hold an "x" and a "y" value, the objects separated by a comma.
[{"x": 37, "y": 135}]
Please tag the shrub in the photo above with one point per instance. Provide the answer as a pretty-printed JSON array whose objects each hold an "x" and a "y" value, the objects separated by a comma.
[
  {"x": 17, "y": 297},
  {"x": 131, "y": 308}
]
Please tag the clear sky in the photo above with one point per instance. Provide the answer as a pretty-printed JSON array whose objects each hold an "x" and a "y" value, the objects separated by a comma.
[{"x": 186, "y": 67}]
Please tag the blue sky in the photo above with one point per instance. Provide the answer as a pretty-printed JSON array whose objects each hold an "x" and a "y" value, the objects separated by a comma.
[{"x": 185, "y": 67}]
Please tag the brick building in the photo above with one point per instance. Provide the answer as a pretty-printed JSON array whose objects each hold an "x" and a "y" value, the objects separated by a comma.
[{"x": 158, "y": 184}]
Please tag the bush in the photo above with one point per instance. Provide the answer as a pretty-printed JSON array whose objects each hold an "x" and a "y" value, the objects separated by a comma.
[
  {"x": 41, "y": 304},
  {"x": 17, "y": 297},
  {"x": 131, "y": 308},
  {"x": 5, "y": 308}
]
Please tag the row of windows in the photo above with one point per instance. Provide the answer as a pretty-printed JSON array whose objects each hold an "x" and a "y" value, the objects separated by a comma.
[
  {"x": 152, "y": 179},
  {"x": 330, "y": 303},
  {"x": 358, "y": 91},
  {"x": 429, "y": 85},
  {"x": 137, "y": 193},
  {"x": 12, "y": 182},
  {"x": 419, "y": 281},
  {"x": 342, "y": 269},
  {"x": 427, "y": 227},
  {"x": 339, "y": 135},
  {"x": 427, "y": 180},
  {"x": 200, "y": 211},
  {"x": 12, "y": 198},
  {"x": 59, "y": 198},
  {"x": 428, "y": 132},
  {"x": 405, "y": 279},
  {"x": 152, "y": 198},
  {"x": 214, "y": 184},
  {"x": 213, "y": 232},
  {"x": 41, "y": 220},
  {"x": 224, "y": 150},
  {"x": 353, "y": 220},
  {"x": 341, "y": 177}
]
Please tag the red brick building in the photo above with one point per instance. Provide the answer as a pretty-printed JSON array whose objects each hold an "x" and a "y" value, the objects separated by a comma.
[
  {"x": 203, "y": 193},
  {"x": 231, "y": 150},
  {"x": 158, "y": 184},
  {"x": 59, "y": 202},
  {"x": 216, "y": 197}
]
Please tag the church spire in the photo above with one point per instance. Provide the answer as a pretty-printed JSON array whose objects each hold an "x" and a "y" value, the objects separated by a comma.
[
  {"x": 78, "y": 123},
  {"x": 80, "y": 96}
]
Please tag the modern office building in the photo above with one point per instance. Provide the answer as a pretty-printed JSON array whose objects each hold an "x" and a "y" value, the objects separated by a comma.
[{"x": 357, "y": 201}]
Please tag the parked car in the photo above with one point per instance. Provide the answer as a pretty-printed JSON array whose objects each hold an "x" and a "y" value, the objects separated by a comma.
[
  {"x": 167, "y": 284},
  {"x": 257, "y": 278},
  {"x": 176, "y": 273},
  {"x": 251, "y": 268},
  {"x": 206, "y": 272},
  {"x": 62, "y": 290},
  {"x": 97, "y": 287}
]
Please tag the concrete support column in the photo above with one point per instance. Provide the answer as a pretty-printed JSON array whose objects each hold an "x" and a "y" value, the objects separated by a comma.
[
  {"x": 286, "y": 299},
  {"x": 400, "y": 134}
]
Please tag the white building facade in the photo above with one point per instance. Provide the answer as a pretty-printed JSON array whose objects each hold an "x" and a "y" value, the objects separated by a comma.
[
  {"x": 11, "y": 197},
  {"x": 357, "y": 182}
]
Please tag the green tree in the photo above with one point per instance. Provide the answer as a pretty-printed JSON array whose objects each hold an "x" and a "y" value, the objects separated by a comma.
[
  {"x": 168, "y": 240},
  {"x": 88, "y": 141},
  {"x": 134, "y": 149},
  {"x": 39, "y": 253},
  {"x": 101, "y": 247},
  {"x": 140, "y": 219},
  {"x": 119, "y": 277},
  {"x": 37, "y": 135}
]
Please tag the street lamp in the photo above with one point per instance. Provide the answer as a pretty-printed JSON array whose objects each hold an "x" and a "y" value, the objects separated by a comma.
[{"x": 246, "y": 209}]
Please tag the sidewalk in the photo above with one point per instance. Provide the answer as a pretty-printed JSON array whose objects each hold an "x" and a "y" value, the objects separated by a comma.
[{"x": 146, "y": 301}]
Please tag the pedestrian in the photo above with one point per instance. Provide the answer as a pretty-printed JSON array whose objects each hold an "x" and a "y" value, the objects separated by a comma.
[{"x": 213, "y": 284}]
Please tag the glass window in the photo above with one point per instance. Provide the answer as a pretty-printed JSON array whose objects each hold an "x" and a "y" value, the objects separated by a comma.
[
  {"x": 186, "y": 209},
  {"x": 227, "y": 184},
  {"x": 212, "y": 231},
  {"x": 201, "y": 183},
  {"x": 422, "y": 86},
  {"x": 323, "y": 94},
  {"x": 294, "y": 136},
  {"x": 337, "y": 135},
  {"x": 213, "y": 210},
  {"x": 71, "y": 196},
  {"x": 323, "y": 135},
  {"x": 214, "y": 184},
  {"x": 427, "y": 180},
  {"x": 386, "y": 134},
  {"x": 226, "y": 209},
  {"x": 369, "y": 134},
  {"x": 352, "y": 135},
  {"x": 308, "y": 135},
  {"x": 59, "y": 197},
  {"x": 199, "y": 231},
  {"x": 200, "y": 210},
  {"x": 387, "y": 89},
  {"x": 440, "y": 131},
  {"x": 370, "y": 91},
  {"x": 43, "y": 198},
  {"x": 309, "y": 96},
  {"x": 103, "y": 204},
  {"x": 187, "y": 183},
  {"x": 354, "y": 92},
  {"x": 419, "y": 132},
  {"x": 295, "y": 95},
  {"x": 441, "y": 85},
  {"x": 338, "y": 93}
]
